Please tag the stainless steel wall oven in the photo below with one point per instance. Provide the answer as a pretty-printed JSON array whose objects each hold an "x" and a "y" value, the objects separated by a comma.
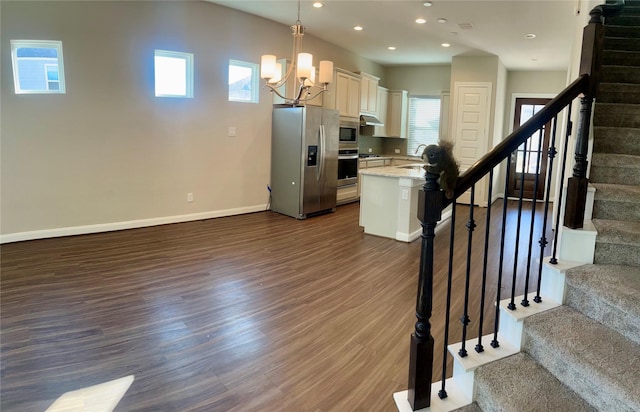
[{"x": 347, "y": 166}]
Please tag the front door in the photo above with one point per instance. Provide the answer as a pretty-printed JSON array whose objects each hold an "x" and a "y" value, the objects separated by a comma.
[{"x": 531, "y": 156}]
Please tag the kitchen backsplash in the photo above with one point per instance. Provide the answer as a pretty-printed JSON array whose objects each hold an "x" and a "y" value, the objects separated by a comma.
[{"x": 382, "y": 145}]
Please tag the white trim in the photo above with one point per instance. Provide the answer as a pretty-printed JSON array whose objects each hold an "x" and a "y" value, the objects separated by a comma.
[
  {"x": 130, "y": 224},
  {"x": 44, "y": 44}
]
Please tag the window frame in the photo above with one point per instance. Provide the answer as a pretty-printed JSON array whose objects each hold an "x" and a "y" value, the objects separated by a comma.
[
  {"x": 38, "y": 44},
  {"x": 255, "y": 81},
  {"x": 189, "y": 72}
]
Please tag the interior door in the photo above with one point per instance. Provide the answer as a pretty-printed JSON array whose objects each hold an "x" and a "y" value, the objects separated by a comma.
[
  {"x": 530, "y": 156},
  {"x": 470, "y": 127}
]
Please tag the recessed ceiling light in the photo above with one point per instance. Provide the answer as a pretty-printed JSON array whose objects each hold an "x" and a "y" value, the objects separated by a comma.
[
  {"x": 421, "y": 21},
  {"x": 391, "y": 47},
  {"x": 529, "y": 36},
  {"x": 445, "y": 45},
  {"x": 427, "y": 4},
  {"x": 442, "y": 20},
  {"x": 317, "y": 4},
  {"x": 358, "y": 28}
]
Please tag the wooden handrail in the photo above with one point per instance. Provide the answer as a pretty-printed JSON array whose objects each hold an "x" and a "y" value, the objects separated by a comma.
[{"x": 505, "y": 148}]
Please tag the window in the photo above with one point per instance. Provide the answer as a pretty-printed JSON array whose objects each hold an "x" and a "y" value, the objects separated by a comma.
[
  {"x": 243, "y": 82},
  {"x": 424, "y": 122},
  {"x": 173, "y": 74},
  {"x": 37, "y": 66}
]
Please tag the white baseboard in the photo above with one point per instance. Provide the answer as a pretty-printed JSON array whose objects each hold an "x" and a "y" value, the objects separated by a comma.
[{"x": 130, "y": 224}]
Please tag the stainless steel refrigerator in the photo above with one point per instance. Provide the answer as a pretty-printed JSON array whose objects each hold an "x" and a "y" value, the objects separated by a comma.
[{"x": 304, "y": 160}]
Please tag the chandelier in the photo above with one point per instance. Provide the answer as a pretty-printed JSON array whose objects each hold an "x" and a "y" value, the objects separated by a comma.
[{"x": 301, "y": 66}]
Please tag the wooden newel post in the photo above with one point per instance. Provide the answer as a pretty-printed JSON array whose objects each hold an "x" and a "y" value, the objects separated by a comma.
[
  {"x": 430, "y": 202},
  {"x": 592, "y": 45}
]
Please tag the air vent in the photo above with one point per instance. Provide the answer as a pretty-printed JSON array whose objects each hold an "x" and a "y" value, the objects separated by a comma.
[{"x": 465, "y": 26}]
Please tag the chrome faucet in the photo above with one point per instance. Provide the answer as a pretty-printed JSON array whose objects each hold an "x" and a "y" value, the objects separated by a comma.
[{"x": 419, "y": 146}]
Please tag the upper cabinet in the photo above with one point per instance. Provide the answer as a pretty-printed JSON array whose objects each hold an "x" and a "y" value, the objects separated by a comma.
[
  {"x": 397, "y": 112},
  {"x": 344, "y": 94},
  {"x": 369, "y": 94},
  {"x": 383, "y": 97}
]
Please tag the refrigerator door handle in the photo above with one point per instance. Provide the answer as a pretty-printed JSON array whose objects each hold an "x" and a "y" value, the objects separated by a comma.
[{"x": 321, "y": 149}]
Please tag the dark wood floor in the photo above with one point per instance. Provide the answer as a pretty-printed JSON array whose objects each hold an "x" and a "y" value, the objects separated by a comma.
[{"x": 252, "y": 312}]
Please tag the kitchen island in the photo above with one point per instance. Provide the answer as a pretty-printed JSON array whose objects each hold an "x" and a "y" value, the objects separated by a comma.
[{"x": 389, "y": 201}]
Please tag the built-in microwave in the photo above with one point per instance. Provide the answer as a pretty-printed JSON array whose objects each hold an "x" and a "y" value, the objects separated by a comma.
[{"x": 349, "y": 132}]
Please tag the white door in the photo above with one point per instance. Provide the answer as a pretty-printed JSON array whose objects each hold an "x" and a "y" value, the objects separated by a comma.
[{"x": 470, "y": 130}]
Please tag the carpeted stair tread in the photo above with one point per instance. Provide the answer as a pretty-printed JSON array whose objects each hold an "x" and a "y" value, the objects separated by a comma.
[
  {"x": 617, "y": 115},
  {"x": 618, "y": 93},
  {"x": 519, "y": 383},
  {"x": 615, "y": 168},
  {"x": 623, "y": 140},
  {"x": 617, "y": 242},
  {"x": 599, "y": 364},
  {"x": 608, "y": 294}
]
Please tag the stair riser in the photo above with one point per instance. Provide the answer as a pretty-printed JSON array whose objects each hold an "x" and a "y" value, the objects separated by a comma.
[
  {"x": 629, "y": 18},
  {"x": 621, "y": 58},
  {"x": 617, "y": 254},
  {"x": 616, "y": 140},
  {"x": 616, "y": 43},
  {"x": 617, "y": 115},
  {"x": 620, "y": 74},
  {"x": 629, "y": 97},
  {"x": 627, "y": 32},
  {"x": 615, "y": 175},
  {"x": 615, "y": 210}
]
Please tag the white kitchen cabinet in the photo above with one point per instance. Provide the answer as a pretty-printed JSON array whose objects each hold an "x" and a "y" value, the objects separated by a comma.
[
  {"x": 345, "y": 94},
  {"x": 404, "y": 162},
  {"x": 369, "y": 94},
  {"x": 383, "y": 97},
  {"x": 347, "y": 194},
  {"x": 397, "y": 113}
]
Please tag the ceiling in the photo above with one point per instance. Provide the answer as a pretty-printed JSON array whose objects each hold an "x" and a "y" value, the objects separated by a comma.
[{"x": 496, "y": 28}]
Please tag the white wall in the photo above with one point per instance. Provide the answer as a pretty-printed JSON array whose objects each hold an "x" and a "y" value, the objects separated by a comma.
[{"x": 108, "y": 154}]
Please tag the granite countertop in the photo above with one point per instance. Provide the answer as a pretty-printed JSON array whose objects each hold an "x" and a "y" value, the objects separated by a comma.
[{"x": 413, "y": 171}]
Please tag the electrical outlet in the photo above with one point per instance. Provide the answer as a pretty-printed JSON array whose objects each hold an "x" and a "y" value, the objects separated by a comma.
[
  {"x": 189, "y": 197},
  {"x": 231, "y": 132},
  {"x": 405, "y": 194},
  {"x": 370, "y": 150},
  {"x": 397, "y": 151}
]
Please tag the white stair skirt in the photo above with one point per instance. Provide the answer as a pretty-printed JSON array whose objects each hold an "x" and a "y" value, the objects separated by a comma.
[{"x": 455, "y": 398}]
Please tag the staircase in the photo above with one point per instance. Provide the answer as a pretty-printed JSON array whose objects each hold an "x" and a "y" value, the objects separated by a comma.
[{"x": 585, "y": 354}]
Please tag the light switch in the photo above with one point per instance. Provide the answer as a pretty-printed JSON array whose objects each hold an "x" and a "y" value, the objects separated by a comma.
[{"x": 231, "y": 132}]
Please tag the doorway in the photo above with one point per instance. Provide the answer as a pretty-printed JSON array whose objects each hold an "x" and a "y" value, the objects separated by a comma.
[{"x": 531, "y": 156}]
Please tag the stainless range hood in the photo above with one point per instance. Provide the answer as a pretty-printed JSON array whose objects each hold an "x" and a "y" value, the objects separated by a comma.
[{"x": 369, "y": 120}]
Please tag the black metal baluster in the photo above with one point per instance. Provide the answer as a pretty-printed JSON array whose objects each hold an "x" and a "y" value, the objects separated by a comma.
[
  {"x": 443, "y": 393},
  {"x": 543, "y": 238},
  {"x": 496, "y": 320},
  {"x": 512, "y": 304},
  {"x": 471, "y": 225},
  {"x": 554, "y": 260},
  {"x": 525, "y": 300},
  {"x": 479, "y": 348}
]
